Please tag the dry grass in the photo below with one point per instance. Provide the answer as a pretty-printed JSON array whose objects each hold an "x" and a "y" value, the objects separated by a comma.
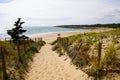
[{"x": 86, "y": 56}]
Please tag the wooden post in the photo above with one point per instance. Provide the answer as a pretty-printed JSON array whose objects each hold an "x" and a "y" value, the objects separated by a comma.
[
  {"x": 5, "y": 39},
  {"x": 99, "y": 53},
  {"x": 24, "y": 45},
  {"x": 10, "y": 41},
  {"x": 59, "y": 40},
  {"x": 40, "y": 39},
  {"x": 35, "y": 40},
  {"x": 99, "y": 59},
  {"x": 18, "y": 49},
  {"x": 77, "y": 49},
  {"x": 3, "y": 63}
]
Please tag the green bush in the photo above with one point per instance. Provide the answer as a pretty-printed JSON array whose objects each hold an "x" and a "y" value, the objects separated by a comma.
[
  {"x": 41, "y": 43},
  {"x": 59, "y": 51},
  {"x": 80, "y": 61},
  {"x": 54, "y": 42},
  {"x": 33, "y": 48}
]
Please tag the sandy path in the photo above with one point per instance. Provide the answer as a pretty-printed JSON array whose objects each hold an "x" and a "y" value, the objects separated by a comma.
[{"x": 48, "y": 66}]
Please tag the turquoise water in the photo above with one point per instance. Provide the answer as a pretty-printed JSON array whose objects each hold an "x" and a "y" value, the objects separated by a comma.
[
  {"x": 46, "y": 30},
  {"x": 33, "y": 30}
]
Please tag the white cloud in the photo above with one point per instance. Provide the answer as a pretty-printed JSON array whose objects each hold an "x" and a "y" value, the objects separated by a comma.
[{"x": 54, "y": 12}]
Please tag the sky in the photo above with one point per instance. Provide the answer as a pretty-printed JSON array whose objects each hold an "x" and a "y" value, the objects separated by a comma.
[{"x": 59, "y": 12}]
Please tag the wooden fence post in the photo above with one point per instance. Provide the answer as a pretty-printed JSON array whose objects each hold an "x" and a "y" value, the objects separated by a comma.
[
  {"x": 98, "y": 60},
  {"x": 18, "y": 49},
  {"x": 3, "y": 63},
  {"x": 5, "y": 39},
  {"x": 24, "y": 43},
  {"x": 99, "y": 53},
  {"x": 77, "y": 49},
  {"x": 35, "y": 39}
]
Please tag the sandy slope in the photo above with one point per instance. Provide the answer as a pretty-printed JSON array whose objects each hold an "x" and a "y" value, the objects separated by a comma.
[{"x": 48, "y": 66}]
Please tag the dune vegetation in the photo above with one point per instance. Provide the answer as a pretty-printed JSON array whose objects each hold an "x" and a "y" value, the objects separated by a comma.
[
  {"x": 16, "y": 69},
  {"x": 16, "y": 53},
  {"x": 96, "y": 53}
]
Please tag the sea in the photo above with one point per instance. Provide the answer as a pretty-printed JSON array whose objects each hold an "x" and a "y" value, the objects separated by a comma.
[{"x": 39, "y": 30}]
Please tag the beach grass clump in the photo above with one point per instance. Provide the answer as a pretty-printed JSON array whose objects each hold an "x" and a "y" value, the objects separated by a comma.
[
  {"x": 60, "y": 51},
  {"x": 17, "y": 67},
  {"x": 110, "y": 56},
  {"x": 60, "y": 45},
  {"x": 41, "y": 43},
  {"x": 107, "y": 63},
  {"x": 54, "y": 42},
  {"x": 71, "y": 39},
  {"x": 82, "y": 56},
  {"x": 79, "y": 62}
]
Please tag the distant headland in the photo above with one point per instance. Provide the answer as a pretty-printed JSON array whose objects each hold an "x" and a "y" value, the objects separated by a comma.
[{"x": 113, "y": 25}]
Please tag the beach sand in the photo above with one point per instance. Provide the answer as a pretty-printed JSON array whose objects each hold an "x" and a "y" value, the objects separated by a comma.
[{"x": 48, "y": 66}]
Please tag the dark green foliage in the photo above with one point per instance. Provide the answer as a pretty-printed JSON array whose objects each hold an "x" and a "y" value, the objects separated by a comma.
[
  {"x": 54, "y": 42},
  {"x": 41, "y": 43},
  {"x": 80, "y": 61},
  {"x": 16, "y": 32},
  {"x": 96, "y": 73},
  {"x": 92, "y": 26},
  {"x": 33, "y": 48},
  {"x": 59, "y": 51},
  {"x": 16, "y": 35}
]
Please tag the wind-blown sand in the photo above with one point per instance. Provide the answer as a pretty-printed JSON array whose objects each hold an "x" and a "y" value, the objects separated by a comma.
[{"x": 48, "y": 66}]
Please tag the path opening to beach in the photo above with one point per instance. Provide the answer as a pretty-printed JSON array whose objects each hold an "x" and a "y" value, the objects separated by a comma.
[{"x": 48, "y": 66}]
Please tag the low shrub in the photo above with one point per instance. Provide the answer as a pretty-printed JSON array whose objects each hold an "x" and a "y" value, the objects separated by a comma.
[{"x": 54, "y": 42}]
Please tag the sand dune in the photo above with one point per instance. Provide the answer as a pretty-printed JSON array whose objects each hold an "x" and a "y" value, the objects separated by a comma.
[{"x": 48, "y": 66}]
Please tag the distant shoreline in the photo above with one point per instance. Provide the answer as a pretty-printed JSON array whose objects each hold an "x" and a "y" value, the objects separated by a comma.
[
  {"x": 49, "y": 33},
  {"x": 93, "y": 26},
  {"x": 53, "y": 36}
]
